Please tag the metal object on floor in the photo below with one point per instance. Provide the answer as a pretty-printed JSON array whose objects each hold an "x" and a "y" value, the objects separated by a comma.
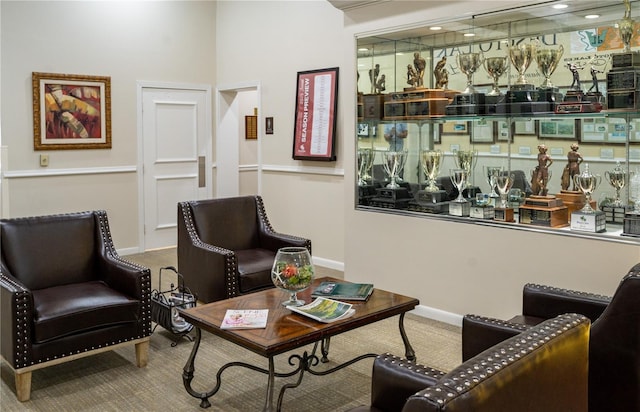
[{"x": 165, "y": 304}]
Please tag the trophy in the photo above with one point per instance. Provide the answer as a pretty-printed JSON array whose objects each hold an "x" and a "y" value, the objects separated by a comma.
[
  {"x": 625, "y": 27},
  {"x": 618, "y": 178},
  {"x": 623, "y": 90},
  {"x": 496, "y": 67},
  {"x": 521, "y": 56},
  {"x": 504, "y": 183},
  {"x": 466, "y": 159},
  {"x": 469, "y": 64},
  {"x": 365, "y": 163},
  {"x": 459, "y": 180},
  {"x": 547, "y": 60},
  {"x": 491, "y": 172},
  {"x": 393, "y": 165},
  {"x": 431, "y": 162},
  {"x": 587, "y": 184}
]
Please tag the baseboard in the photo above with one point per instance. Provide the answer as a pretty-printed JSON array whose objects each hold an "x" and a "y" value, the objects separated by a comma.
[
  {"x": 439, "y": 315},
  {"x": 331, "y": 264},
  {"x": 129, "y": 251}
]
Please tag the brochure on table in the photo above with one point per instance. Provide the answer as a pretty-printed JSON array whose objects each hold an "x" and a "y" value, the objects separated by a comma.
[
  {"x": 245, "y": 319},
  {"x": 325, "y": 310},
  {"x": 343, "y": 290}
]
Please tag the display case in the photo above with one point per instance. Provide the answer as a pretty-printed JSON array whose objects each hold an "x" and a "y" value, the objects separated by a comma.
[{"x": 528, "y": 118}]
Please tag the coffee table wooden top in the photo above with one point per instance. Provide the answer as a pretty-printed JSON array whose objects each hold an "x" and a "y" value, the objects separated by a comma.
[{"x": 287, "y": 330}]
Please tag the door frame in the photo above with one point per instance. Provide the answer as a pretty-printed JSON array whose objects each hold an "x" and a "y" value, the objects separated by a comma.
[
  {"x": 220, "y": 144},
  {"x": 140, "y": 85}
]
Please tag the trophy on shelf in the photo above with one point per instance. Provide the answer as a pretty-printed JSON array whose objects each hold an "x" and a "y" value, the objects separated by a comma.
[
  {"x": 548, "y": 60},
  {"x": 366, "y": 189},
  {"x": 495, "y": 67},
  {"x": 491, "y": 173},
  {"x": 520, "y": 96},
  {"x": 588, "y": 219},
  {"x": 616, "y": 210},
  {"x": 469, "y": 101},
  {"x": 431, "y": 198},
  {"x": 504, "y": 183},
  {"x": 395, "y": 194},
  {"x": 467, "y": 159},
  {"x": 623, "y": 89},
  {"x": 459, "y": 206}
]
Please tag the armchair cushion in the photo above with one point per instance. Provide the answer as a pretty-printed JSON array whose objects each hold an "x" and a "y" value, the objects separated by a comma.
[
  {"x": 254, "y": 269},
  {"x": 79, "y": 307}
]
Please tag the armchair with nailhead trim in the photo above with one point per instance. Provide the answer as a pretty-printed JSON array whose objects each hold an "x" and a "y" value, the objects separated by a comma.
[
  {"x": 226, "y": 246},
  {"x": 614, "y": 349},
  {"x": 544, "y": 369},
  {"x": 66, "y": 294}
]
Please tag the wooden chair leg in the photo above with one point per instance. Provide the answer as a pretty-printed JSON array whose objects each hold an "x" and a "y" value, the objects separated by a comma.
[
  {"x": 142, "y": 354},
  {"x": 23, "y": 386}
]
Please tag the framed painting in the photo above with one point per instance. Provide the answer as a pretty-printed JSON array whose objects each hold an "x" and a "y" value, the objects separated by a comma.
[
  {"x": 455, "y": 127},
  {"x": 316, "y": 114},
  {"x": 71, "y": 111},
  {"x": 558, "y": 128},
  {"x": 483, "y": 131}
]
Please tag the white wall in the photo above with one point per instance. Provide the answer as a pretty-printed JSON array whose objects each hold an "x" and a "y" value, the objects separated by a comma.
[{"x": 128, "y": 41}]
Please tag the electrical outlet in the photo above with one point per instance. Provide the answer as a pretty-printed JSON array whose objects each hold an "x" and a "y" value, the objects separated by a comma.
[{"x": 44, "y": 160}]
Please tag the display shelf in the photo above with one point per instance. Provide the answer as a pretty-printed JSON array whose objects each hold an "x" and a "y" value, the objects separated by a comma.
[{"x": 508, "y": 139}]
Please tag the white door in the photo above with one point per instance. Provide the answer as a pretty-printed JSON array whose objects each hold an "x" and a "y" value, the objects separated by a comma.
[{"x": 176, "y": 157}]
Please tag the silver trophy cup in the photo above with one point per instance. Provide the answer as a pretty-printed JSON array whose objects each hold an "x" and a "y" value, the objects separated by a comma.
[
  {"x": 393, "y": 165},
  {"x": 504, "y": 183},
  {"x": 465, "y": 159},
  {"x": 491, "y": 173},
  {"x": 365, "y": 163},
  {"x": 459, "y": 180},
  {"x": 521, "y": 56},
  {"x": 617, "y": 178},
  {"x": 469, "y": 63},
  {"x": 431, "y": 162},
  {"x": 496, "y": 67},
  {"x": 548, "y": 60},
  {"x": 587, "y": 184}
]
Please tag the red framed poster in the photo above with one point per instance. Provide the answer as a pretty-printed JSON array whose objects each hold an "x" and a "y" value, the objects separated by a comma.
[{"x": 315, "y": 120}]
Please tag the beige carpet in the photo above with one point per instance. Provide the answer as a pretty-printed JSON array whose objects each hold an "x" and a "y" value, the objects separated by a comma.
[{"x": 111, "y": 382}]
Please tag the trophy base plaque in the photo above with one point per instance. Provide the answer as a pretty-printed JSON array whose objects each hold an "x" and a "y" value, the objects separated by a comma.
[
  {"x": 391, "y": 198},
  {"x": 482, "y": 212},
  {"x": 616, "y": 214},
  {"x": 575, "y": 102},
  {"x": 524, "y": 107},
  {"x": 623, "y": 101},
  {"x": 424, "y": 196},
  {"x": 491, "y": 101},
  {"x": 625, "y": 59},
  {"x": 623, "y": 82},
  {"x": 543, "y": 201},
  {"x": 574, "y": 200},
  {"x": 372, "y": 106},
  {"x": 504, "y": 214},
  {"x": 466, "y": 104},
  {"x": 460, "y": 209},
  {"x": 544, "y": 216},
  {"x": 415, "y": 103},
  {"x": 589, "y": 222},
  {"x": 631, "y": 225},
  {"x": 423, "y": 207},
  {"x": 365, "y": 193}
]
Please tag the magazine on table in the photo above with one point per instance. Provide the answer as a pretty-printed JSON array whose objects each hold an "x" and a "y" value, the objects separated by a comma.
[
  {"x": 245, "y": 319},
  {"x": 325, "y": 310},
  {"x": 343, "y": 290}
]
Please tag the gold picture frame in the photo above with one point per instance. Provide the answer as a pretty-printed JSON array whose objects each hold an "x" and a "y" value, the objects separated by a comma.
[{"x": 71, "y": 111}]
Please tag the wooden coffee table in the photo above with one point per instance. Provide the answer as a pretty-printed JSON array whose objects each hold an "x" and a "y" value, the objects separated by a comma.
[{"x": 286, "y": 331}]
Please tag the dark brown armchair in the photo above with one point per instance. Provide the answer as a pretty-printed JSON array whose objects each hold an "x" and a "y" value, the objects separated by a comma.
[
  {"x": 226, "y": 247},
  {"x": 614, "y": 352},
  {"x": 65, "y": 294},
  {"x": 544, "y": 369}
]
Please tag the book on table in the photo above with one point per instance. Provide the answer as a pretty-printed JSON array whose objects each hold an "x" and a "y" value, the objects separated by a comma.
[
  {"x": 325, "y": 310},
  {"x": 343, "y": 290},
  {"x": 245, "y": 319}
]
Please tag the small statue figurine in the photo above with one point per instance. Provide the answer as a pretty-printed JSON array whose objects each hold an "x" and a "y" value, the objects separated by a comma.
[
  {"x": 627, "y": 9},
  {"x": 373, "y": 76},
  {"x": 381, "y": 84},
  {"x": 594, "y": 79},
  {"x": 441, "y": 74},
  {"x": 412, "y": 76},
  {"x": 540, "y": 175},
  {"x": 572, "y": 168},
  {"x": 420, "y": 64},
  {"x": 576, "y": 75}
]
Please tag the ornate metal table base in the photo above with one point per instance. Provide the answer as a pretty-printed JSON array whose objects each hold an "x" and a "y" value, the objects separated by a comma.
[{"x": 305, "y": 363}]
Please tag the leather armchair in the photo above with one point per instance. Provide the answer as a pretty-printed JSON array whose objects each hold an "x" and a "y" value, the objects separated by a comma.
[
  {"x": 614, "y": 341},
  {"x": 66, "y": 294},
  {"x": 544, "y": 369},
  {"x": 226, "y": 247}
]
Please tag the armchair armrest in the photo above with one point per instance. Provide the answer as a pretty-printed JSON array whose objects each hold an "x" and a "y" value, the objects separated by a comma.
[
  {"x": 394, "y": 379},
  {"x": 547, "y": 302},
  {"x": 480, "y": 333},
  {"x": 16, "y": 314}
]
